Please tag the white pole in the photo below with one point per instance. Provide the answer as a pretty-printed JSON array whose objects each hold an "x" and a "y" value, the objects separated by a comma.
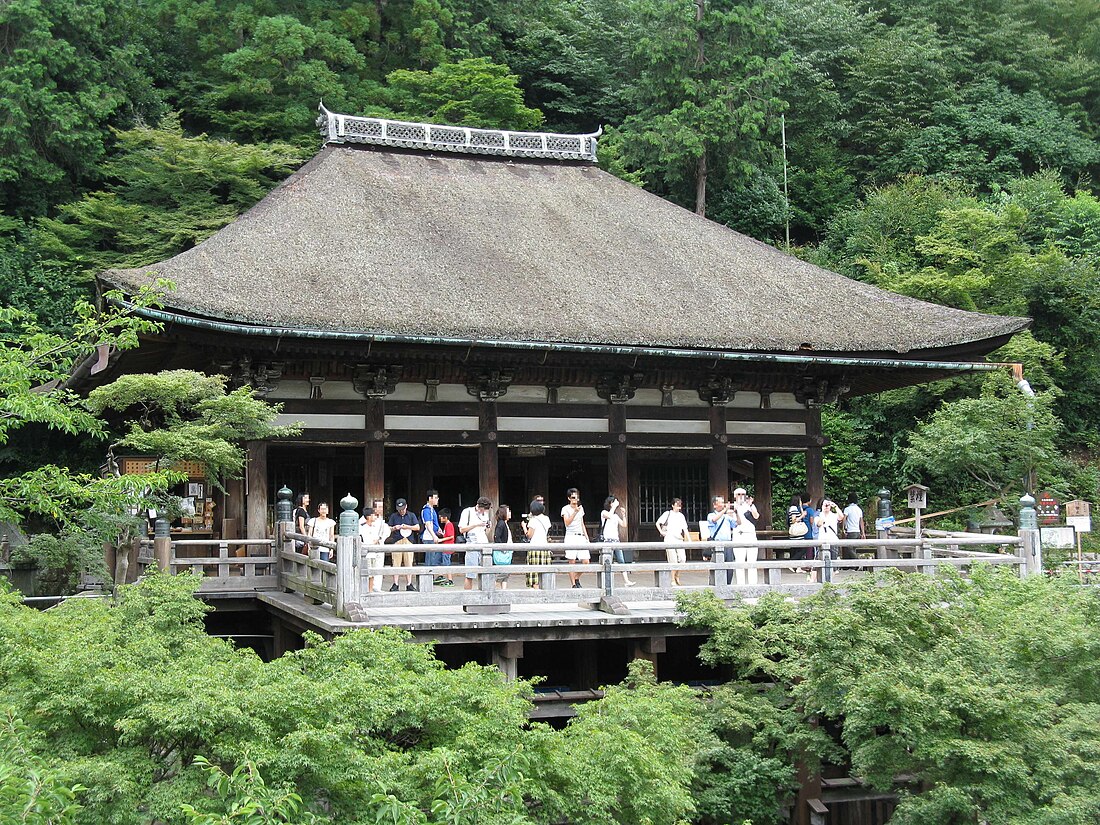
[{"x": 786, "y": 198}]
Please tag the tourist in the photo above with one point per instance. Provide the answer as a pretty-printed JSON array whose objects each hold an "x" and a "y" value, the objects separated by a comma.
[
  {"x": 473, "y": 526},
  {"x": 300, "y": 519},
  {"x": 373, "y": 533},
  {"x": 429, "y": 536},
  {"x": 828, "y": 521},
  {"x": 446, "y": 543},
  {"x": 673, "y": 528},
  {"x": 721, "y": 524},
  {"x": 537, "y": 530},
  {"x": 322, "y": 528},
  {"x": 854, "y": 526},
  {"x": 502, "y": 534},
  {"x": 745, "y": 548},
  {"x": 611, "y": 525},
  {"x": 405, "y": 527},
  {"x": 575, "y": 533}
]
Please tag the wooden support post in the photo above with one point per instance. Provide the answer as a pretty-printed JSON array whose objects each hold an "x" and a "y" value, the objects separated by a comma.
[
  {"x": 649, "y": 648},
  {"x": 506, "y": 656},
  {"x": 587, "y": 665},
  {"x": 719, "y": 465},
  {"x": 374, "y": 452},
  {"x": 762, "y": 488},
  {"x": 233, "y": 512},
  {"x": 256, "y": 475},
  {"x": 488, "y": 465},
  {"x": 1032, "y": 552},
  {"x": 815, "y": 468},
  {"x": 348, "y": 581},
  {"x": 617, "y": 481}
]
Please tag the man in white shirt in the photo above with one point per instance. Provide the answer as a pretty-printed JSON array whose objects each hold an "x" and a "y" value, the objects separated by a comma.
[
  {"x": 854, "y": 527},
  {"x": 474, "y": 525},
  {"x": 373, "y": 531},
  {"x": 673, "y": 527}
]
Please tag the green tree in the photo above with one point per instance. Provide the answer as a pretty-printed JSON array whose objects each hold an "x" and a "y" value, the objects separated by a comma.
[
  {"x": 69, "y": 69},
  {"x": 165, "y": 193},
  {"x": 181, "y": 415},
  {"x": 980, "y": 689},
  {"x": 471, "y": 92},
  {"x": 703, "y": 85}
]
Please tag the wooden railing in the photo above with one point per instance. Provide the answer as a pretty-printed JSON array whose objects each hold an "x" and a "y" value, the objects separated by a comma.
[
  {"x": 227, "y": 566},
  {"x": 297, "y": 567}
]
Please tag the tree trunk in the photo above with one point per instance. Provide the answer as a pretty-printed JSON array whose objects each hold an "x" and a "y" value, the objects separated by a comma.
[{"x": 701, "y": 185}]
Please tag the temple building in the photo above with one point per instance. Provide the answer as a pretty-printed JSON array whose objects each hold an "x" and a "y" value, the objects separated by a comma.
[{"x": 489, "y": 313}]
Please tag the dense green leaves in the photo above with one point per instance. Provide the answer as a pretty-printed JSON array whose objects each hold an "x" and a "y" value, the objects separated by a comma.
[{"x": 983, "y": 689}]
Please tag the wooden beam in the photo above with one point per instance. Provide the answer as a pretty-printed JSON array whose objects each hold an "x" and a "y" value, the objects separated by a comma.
[
  {"x": 617, "y": 480},
  {"x": 815, "y": 467},
  {"x": 718, "y": 467},
  {"x": 256, "y": 475},
  {"x": 762, "y": 489},
  {"x": 488, "y": 458},
  {"x": 413, "y": 438},
  {"x": 374, "y": 451}
]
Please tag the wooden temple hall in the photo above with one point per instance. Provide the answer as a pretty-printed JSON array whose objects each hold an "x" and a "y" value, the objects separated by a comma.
[{"x": 489, "y": 313}]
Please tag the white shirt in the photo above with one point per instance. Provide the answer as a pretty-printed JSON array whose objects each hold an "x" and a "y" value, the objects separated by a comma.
[
  {"x": 575, "y": 528},
  {"x": 611, "y": 523},
  {"x": 676, "y": 526},
  {"x": 745, "y": 527},
  {"x": 829, "y": 522},
  {"x": 540, "y": 528},
  {"x": 853, "y": 515},
  {"x": 376, "y": 533},
  {"x": 322, "y": 528},
  {"x": 480, "y": 522}
]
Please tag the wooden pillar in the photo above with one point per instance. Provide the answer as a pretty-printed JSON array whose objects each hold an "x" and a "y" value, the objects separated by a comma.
[
  {"x": 617, "y": 479},
  {"x": 256, "y": 474},
  {"x": 587, "y": 664},
  {"x": 233, "y": 512},
  {"x": 374, "y": 452},
  {"x": 505, "y": 657},
  {"x": 634, "y": 514},
  {"x": 719, "y": 466},
  {"x": 538, "y": 478},
  {"x": 762, "y": 488},
  {"x": 815, "y": 467},
  {"x": 488, "y": 466},
  {"x": 648, "y": 649}
]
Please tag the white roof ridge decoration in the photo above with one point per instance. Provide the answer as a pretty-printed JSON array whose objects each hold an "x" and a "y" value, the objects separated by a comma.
[{"x": 377, "y": 131}]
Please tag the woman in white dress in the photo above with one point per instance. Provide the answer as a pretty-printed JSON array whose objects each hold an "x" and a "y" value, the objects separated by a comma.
[
  {"x": 673, "y": 528},
  {"x": 745, "y": 548}
]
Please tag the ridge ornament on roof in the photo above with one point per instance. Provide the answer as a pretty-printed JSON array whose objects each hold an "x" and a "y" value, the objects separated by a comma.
[{"x": 337, "y": 128}]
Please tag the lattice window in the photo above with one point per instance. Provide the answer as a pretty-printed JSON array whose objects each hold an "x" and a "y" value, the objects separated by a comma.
[
  {"x": 525, "y": 141},
  {"x": 370, "y": 128},
  {"x": 406, "y": 131},
  {"x": 661, "y": 483},
  {"x": 143, "y": 466},
  {"x": 442, "y": 134},
  {"x": 487, "y": 139},
  {"x": 564, "y": 144}
]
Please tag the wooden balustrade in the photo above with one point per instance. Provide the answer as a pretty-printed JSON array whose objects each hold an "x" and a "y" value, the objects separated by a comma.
[{"x": 279, "y": 563}]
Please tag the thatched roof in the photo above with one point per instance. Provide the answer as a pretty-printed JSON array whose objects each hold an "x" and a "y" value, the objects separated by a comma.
[{"x": 408, "y": 243}]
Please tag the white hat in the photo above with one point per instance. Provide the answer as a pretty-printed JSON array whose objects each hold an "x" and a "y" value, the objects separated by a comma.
[{"x": 740, "y": 491}]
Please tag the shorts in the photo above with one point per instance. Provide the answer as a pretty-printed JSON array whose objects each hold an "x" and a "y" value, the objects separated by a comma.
[
  {"x": 404, "y": 559},
  {"x": 473, "y": 559},
  {"x": 578, "y": 553}
]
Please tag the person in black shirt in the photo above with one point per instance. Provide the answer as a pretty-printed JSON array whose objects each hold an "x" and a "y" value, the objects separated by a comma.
[{"x": 301, "y": 516}]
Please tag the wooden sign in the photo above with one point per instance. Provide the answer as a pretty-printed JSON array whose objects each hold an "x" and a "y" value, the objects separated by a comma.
[
  {"x": 917, "y": 496},
  {"x": 1077, "y": 507}
]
